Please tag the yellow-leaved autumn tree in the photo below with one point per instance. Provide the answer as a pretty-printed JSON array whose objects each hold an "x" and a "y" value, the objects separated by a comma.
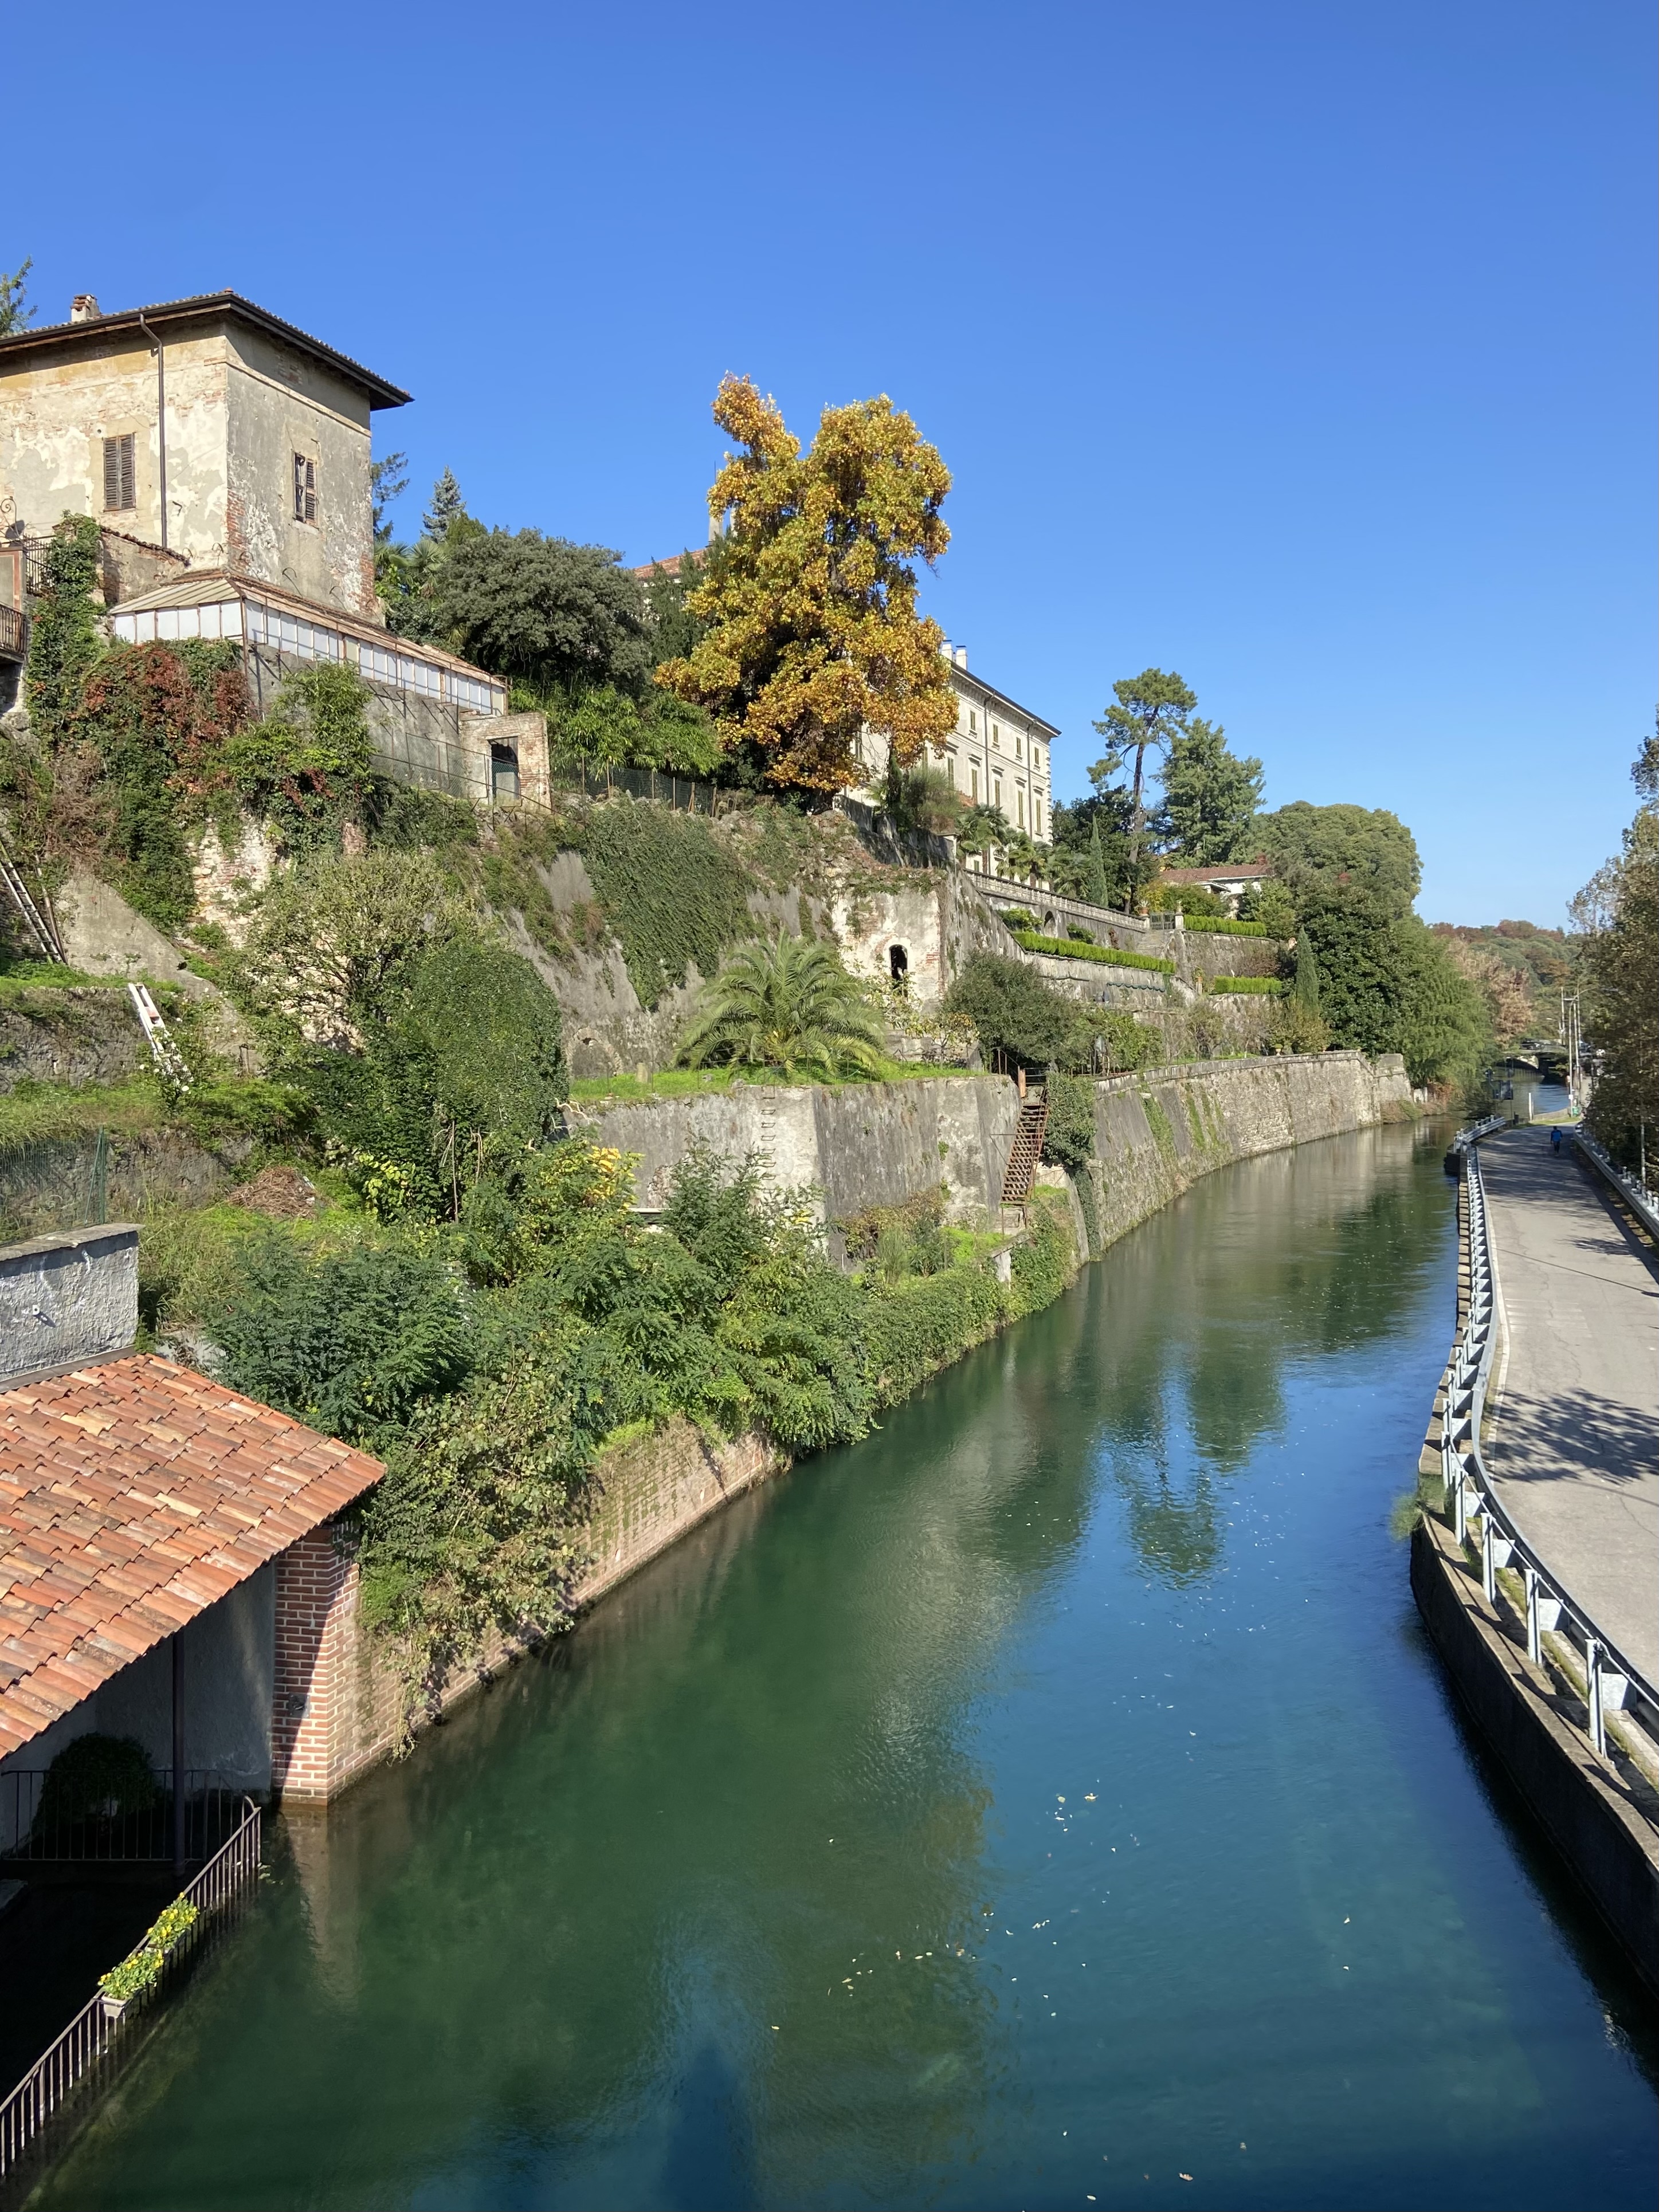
[{"x": 809, "y": 600}]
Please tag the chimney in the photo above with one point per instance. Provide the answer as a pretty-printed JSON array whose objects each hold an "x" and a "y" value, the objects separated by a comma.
[
  {"x": 962, "y": 656},
  {"x": 944, "y": 647},
  {"x": 84, "y": 309}
]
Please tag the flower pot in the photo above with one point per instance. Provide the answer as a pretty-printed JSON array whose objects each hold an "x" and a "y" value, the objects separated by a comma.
[{"x": 114, "y": 2007}]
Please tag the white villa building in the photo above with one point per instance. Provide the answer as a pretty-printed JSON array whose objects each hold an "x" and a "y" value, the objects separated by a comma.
[{"x": 998, "y": 755}]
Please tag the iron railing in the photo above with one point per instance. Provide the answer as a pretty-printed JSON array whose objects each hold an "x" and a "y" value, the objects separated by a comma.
[
  {"x": 1612, "y": 1683},
  {"x": 89, "y": 2046},
  {"x": 13, "y": 631},
  {"x": 38, "y": 1824},
  {"x": 1635, "y": 1193}
]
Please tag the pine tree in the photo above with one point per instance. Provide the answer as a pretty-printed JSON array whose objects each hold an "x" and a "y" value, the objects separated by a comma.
[{"x": 447, "y": 504}]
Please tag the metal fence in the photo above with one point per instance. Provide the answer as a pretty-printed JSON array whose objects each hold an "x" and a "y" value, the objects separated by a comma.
[
  {"x": 43, "y": 1823},
  {"x": 682, "y": 792},
  {"x": 90, "y": 2047},
  {"x": 1612, "y": 1683},
  {"x": 1635, "y": 1193}
]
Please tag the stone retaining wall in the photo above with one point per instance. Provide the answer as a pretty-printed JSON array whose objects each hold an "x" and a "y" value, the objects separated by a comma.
[{"x": 1157, "y": 1132}]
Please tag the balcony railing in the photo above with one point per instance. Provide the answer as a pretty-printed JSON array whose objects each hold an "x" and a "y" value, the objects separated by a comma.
[
  {"x": 91, "y": 2045},
  {"x": 39, "y": 1823},
  {"x": 14, "y": 632}
]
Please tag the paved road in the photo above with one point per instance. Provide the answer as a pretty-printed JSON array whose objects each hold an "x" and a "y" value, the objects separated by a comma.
[{"x": 1575, "y": 1447}]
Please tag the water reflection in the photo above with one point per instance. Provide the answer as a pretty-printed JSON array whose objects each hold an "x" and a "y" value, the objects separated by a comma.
[{"x": 862, "y": 1851}]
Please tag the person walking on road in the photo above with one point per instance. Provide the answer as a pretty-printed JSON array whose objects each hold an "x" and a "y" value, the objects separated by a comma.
[{"x": 1555, "y": 1140}]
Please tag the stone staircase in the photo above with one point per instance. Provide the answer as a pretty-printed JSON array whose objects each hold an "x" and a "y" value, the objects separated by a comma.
[{"x": 1027, "y": 1147}]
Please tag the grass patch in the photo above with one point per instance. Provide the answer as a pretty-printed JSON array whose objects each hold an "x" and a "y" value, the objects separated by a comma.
[{"x": 50, "y": 1113}]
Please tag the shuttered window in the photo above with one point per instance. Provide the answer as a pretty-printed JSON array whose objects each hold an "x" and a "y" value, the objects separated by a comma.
[
  {"x": 305, "y": 489},
  {"x": 120, "y": 472}
]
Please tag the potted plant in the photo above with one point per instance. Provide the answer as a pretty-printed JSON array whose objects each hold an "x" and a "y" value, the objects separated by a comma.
[{"x": 141, "y": 1968}]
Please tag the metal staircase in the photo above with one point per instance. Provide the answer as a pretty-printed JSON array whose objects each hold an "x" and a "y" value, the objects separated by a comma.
[{"x": 1028, "y": 1148}]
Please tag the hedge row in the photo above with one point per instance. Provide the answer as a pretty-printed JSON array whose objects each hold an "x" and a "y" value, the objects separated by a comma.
[
  {"x": 1265, "y": 987},
  {"x": 1219, "y": 926},
  {"x": 1070, "y": 948}
]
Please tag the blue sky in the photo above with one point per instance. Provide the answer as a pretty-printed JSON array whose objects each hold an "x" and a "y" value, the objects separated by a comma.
[{"x": 1307, "y": 348}]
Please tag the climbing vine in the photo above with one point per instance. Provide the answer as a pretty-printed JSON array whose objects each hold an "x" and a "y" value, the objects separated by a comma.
[{"x": 64, "y": 636}]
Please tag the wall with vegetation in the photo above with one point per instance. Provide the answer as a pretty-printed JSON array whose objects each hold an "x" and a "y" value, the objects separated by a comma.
[
  {"x": 1157, "y": 1132},
  {"x": 864, "y": 1146}
]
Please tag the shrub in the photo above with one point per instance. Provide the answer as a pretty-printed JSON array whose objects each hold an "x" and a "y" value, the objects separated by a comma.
[
  {"x": 1263, "y": 987},
  {"x": 1223, "y": 925},
  {"x": 1013, "y": 1010},
  {"x": 96, "y": 1776},
  {"x": 1068, "y": 1135},
  {"x": 1106, "y": 1041},
  {"x": 1295, "y": 1026},
  {"x": 353, "y": 1342},
  {"x": 789, "y": 1005}
]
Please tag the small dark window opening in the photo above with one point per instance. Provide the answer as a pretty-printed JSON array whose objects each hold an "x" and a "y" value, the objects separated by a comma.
[
  {"x": 898, "y": 962},
  {"x": 305, "y": 489},
  {"x": 120, "y": 472},
  {"x": 503, "y": 772}
]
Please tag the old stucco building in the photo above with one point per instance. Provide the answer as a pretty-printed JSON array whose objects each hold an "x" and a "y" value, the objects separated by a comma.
[{"x": 225, "y": 455}]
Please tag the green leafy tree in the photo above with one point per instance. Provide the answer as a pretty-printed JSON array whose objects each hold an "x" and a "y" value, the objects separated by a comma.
[
  {"x": 1445, "y": 1028},
  {"x": 554, "y": 616},
  {"x": 333, "y": 940},
  {"x": 13, "y": 315},
  {"x": 1210, "y": 795},
  {"x": 787, "y": 1003},
  {"x": 1618, "y": 916},
  {"x": 1148, "y": 712},
  {"x": 1329, "y": 850}
]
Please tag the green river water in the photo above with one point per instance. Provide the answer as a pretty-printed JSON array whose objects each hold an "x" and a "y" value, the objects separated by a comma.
[{"x": 1051, "y": 1801}]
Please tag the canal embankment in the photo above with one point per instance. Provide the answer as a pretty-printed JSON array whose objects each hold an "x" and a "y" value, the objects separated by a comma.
[
  {"x": 1522, "y": 1568},
  {"x": 340, "y": 1705}
]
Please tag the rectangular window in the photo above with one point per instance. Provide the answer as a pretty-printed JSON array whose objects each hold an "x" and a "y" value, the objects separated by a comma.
[
  {"x": 972, "y": 723},
  {"x": 1037, "y": 815},
  {"x": 503, "y": 772},
  {"x": 974, "y": 771},
  {"x": 305, "y": 489},
  {"x": 1021, "y": 796},
  {"x": 120, "y": 472},
  {"x": 996, "y": 792}
]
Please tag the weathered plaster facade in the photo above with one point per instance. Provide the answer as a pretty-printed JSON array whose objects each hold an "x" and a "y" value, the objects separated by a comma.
[{"x": 219, "y": 398}]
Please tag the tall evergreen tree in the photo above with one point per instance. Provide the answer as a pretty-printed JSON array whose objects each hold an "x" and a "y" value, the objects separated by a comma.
[
  {"x": 447, "y": 504},
  {"x": 1210, "y": 795}
]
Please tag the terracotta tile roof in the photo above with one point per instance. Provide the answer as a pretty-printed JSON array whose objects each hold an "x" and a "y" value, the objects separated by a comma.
[
  {"x": 1226, "y": 872},
  {"x": 133, "y": 1494}
]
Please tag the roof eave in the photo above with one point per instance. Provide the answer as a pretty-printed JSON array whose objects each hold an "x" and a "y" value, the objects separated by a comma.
[{"x": 381, "y": 394}]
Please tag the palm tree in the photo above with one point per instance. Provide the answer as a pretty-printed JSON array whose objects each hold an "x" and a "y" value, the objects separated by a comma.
[{"x": 788, "y": 1004}]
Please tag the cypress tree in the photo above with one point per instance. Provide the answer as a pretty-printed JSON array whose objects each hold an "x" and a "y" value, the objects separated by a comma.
[
  {"x": 1094, "y": 882},
  {"x": 1306, "y": 987}
]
